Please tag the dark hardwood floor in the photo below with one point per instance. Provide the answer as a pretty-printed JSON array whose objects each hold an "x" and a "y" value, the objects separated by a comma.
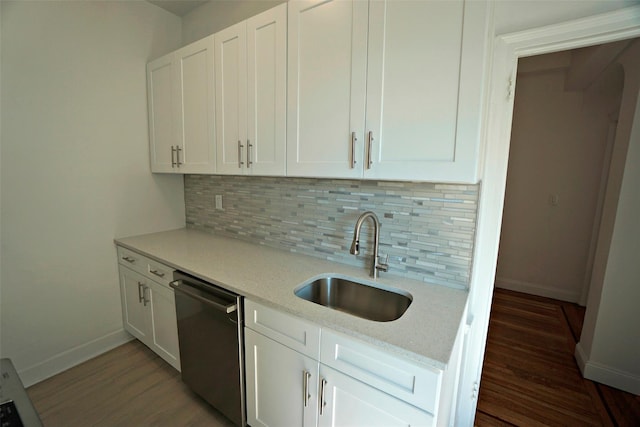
[{"x": 530, "y": 376}]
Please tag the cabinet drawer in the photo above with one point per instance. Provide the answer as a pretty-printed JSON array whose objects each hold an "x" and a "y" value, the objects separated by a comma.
[
  {"x": 133, "y": 260},
  {"x": 289, "y": 330},
  {"x": 408, "y": 381},
  {"x": 154, "y": 270},
  {"x": 159, "y": 272}
]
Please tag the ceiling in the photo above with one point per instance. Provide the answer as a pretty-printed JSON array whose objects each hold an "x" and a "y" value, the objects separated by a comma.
[{"x": 178, "y": 7}]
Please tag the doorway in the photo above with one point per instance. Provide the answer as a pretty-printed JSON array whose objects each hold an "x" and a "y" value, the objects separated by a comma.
[
  {"x": 613, "y": 26},
  {"x": 566, "y": 106},
  {"x": 557, "y": 173}
]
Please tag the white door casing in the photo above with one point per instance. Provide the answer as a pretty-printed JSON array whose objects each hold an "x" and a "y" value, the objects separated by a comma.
[{"x": 608, "y": 27}]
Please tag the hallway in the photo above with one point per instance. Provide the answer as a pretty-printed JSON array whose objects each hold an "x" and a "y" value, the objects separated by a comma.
[{"x": 530, "y": 376}]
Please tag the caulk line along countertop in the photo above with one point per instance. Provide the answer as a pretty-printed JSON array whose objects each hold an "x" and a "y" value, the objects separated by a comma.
[{"x": 425, "y": 333}]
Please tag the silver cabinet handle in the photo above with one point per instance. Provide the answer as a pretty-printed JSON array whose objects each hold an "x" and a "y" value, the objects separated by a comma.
[
  {"x": 240, "y": 146},
  {"x": 140, "y": 292},
  {"x": 157, "y": 273},
  {"x": 144, "y": 295},
  {"x": 306, "y": 376},
  {"x": 178, "y": 150},
  {"x": 173, "y": 156},
  {"x": 352, "y": 161},
  {"x": 323, "y": 383},
  {"x": 249, "y": 145},
  {"x": 369, "y": 147},
  {"x": 129, "y": 259}
]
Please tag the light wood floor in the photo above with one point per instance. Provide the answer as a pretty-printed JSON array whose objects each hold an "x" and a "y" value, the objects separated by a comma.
[
  {"x": 530, "y": 376},
  {"x": 127, "y": 386}
]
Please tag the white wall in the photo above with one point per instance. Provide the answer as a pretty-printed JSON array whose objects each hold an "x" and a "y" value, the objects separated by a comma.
[
  {"x": 609, "y": 347},
  {"x": 214, "y": 16},
  {"x": 75, "y": 172},
  {"x": 558, "y": 145},
  {"x": 518, "y": 15}
]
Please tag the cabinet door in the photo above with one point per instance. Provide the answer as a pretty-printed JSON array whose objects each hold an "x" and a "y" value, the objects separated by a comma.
[
  {"x": 276, "y": 382},
  {"x": 418, "y": 90},
  {"x": 163, "y": 322},
  {"x": 348, "y": 402},
  {"x": 267, "y": 89},
  {"x": 231, "y": 99},
  {"x": 195, "y": 118},
  {"x": 134, "y": 313},
  {"x": 326, "y": 87},
  {"x": 161, "y": 93},
  {"x": 412, "y": 87}
]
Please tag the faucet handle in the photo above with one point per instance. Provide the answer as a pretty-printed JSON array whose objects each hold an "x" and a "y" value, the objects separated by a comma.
[{"x": 383, "y": 266}]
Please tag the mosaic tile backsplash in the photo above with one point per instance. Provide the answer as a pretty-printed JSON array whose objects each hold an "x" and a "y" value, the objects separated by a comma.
[{"x": 427, "y": 229}]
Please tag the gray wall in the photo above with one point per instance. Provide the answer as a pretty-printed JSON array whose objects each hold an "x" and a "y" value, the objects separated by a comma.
[
  {"x": 427, "y": 229},
  {"x": 214, "y": 16}
]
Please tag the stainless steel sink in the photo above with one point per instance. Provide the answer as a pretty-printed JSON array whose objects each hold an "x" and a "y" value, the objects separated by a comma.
[{"x": 358, "y": 299}]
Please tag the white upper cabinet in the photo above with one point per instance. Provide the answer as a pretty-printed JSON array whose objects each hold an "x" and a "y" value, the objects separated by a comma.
[
  {"x": 250, "y": 62},
  {"x": 162, "y": 129},
  {"x": 326, "y": 87},
  {"x": 181, "y": 110},
  {"x": 417, "y": 117},
  {"x": 231, "y": 98}
]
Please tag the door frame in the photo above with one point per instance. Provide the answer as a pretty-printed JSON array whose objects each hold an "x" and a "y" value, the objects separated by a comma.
[{"x": 507, "y": 49}]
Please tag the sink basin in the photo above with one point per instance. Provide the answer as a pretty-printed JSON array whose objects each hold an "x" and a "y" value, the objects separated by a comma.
[{"x": 359, "y": 299}]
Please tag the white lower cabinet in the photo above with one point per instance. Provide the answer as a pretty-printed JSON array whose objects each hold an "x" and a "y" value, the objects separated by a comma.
[
  {"x": 134, "y": 312},
  {"x": 349, "y": 402},
  {"x": 277, "y": 377},
  {"x": 288, "y": 388},
  {"x": 148, "y": 308}
]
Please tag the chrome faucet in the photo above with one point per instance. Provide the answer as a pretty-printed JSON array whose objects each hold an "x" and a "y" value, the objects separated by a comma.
[{"x": 355, "y": 245}]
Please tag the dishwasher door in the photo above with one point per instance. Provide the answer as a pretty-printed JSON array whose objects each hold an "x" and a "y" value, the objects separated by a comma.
[{"x": 210, "y": 335}]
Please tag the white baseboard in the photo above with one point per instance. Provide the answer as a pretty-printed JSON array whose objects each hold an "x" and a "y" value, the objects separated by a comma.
[
  {"x": 537, "y": 289},
  {"x": 604, "y": 374},
  {"x": 70, "y": 358},
  {"x": 581, "y": 357}
]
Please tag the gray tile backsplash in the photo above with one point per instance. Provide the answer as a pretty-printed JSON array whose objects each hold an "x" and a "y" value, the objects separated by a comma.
[{"x": 427, "y": 229}]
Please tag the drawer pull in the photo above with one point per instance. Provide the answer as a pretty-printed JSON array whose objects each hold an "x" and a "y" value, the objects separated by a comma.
[
  {"x": 249, "y": 146},
  {"x": 240, "y": 147},
  {"x": 157, "y": 273},
  {"x": 323, "y": 384},
  {"x": 178, "y": 150},
  {"x": 145, "y": 301},
  {"x": 306, "y": 376},
  {"x": 129, "y": 259},
  {"x": 352, "y": 160},
  {"x": 369, "y": 161}
]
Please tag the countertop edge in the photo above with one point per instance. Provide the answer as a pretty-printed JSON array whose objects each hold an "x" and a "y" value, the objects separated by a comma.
[{"x": 151, "y": 246}]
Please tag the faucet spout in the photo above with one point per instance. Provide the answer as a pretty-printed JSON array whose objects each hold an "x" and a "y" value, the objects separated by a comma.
[{"x": 355, "y": 244}]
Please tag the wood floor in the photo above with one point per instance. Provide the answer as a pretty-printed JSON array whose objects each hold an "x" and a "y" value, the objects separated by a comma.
[
  {"x": 530, "y": 376},
  {"x": 128, "y": 386}
]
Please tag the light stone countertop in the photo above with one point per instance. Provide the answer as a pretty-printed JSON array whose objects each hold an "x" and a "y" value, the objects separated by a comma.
[{"x": 425, "y": 333}]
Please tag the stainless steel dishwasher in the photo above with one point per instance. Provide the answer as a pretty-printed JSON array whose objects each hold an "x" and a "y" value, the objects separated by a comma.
[{"x": 210, "y": 335}]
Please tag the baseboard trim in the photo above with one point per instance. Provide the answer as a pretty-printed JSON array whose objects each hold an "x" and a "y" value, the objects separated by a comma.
[
  {"x": 607, "y": 375},
  {"x": 537, "y": 289},
  {"x": 581, "y": 357},
  {"x": 70, "y": 358}
]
